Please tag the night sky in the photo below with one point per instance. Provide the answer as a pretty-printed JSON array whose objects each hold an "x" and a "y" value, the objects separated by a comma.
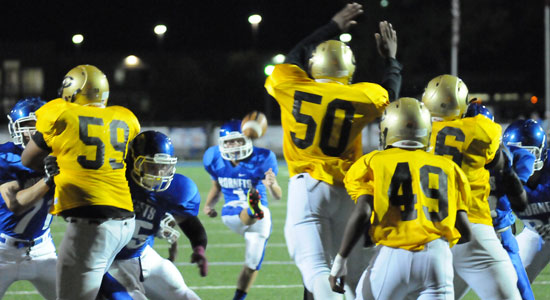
[{"x": 501, "y": 47}]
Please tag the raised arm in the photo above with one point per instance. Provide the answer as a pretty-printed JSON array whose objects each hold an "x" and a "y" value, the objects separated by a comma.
[
  {"x": 386, "y": 43},
  {"x": 339, "y": 23}
]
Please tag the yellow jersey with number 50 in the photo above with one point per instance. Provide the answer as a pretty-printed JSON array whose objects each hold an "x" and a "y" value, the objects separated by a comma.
[
  {"x": 90, "y": 144},
  {"x": 471, "y": 143},
  {"x": 416, "y": 196},
  {"x": 322, "y": 121}
]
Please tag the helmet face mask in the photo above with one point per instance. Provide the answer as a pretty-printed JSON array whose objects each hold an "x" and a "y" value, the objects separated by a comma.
[
  {"x": 529, "y": 135},
  {"x": 167, "y": 229},
  {"x": 406, "y": 123},
  {"x": 85, "y": 85},
  {"x": 446, "y": 97},
  {"x": 233, "y": 144},
  {"x": 332, "y": 61},
  {"x": 153, "y": 161},
  {"x": 22, "y": 120}
]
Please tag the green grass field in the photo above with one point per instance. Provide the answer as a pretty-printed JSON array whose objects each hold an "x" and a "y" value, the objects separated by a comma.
[{"x": 278, "y": 278}]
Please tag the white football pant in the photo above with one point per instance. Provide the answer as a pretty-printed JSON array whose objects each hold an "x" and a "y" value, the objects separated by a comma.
[
  {"x": 396, "y": 273},
  {"x": 534, "y": 252},
  {"x": 38, "y": 266},
  {"x": 317, "y": 214},
  {"x": 485, "y": 266},
  {"x": 86, "y": 253},
  {"x": 255, "y": 235}
]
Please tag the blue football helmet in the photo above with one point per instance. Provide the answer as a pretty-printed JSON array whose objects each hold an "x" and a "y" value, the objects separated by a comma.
[
  {"x": 23, "y": 120},
  {"x": 530, "y": 135},
  {"x": 234, "y": 145},
  {"x": 475, "y": 109},
  {"x": 152, "y": 161}
]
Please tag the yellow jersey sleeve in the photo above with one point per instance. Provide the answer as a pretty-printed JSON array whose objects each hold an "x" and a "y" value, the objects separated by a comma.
[
  {"x": 358, "y": 179},
  {"x": 322, "y": 121},
  {"x": 47, "y": 117}
]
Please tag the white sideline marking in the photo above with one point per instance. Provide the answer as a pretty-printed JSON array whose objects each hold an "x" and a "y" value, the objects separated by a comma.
[{"x": 235, "y": 245}]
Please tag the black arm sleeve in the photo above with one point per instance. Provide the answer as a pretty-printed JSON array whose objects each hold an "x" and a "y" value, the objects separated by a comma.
[
  {"x": 391, "y": 80},
  {"x": 38, "y": 138},
  {"x": 300, "y": 54},
  {"x": 193, "y": 229}
]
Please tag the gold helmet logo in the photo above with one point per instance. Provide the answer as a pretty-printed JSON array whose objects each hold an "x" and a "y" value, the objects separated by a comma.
[{"x": 85, "y": 85}]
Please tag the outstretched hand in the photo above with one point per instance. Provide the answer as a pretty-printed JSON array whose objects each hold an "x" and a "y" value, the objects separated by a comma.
[
  {"x": 345, "y": 17},
  {"x": 386, "y": 40}
]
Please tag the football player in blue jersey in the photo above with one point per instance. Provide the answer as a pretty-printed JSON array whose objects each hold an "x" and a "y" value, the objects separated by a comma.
[
  {"x": 27, "y": 251},
  {"x": 160, "y": 197},
  {"x": 526, "y": 140},
  {"x": 243, "y": 173},
  {"x": 503, "y": 205}
]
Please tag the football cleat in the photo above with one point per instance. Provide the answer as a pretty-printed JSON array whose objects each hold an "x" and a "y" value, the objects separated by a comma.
[
  {"x": 167, "y": 229},
  {"x": 233, "y": 144},
  {"x": 255, "y": 204},
  {"x": 22, "y": 120}
]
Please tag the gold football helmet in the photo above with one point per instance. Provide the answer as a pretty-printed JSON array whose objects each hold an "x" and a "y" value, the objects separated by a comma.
[
  {"x": 446, "y": 96},
  {"x": 332, "y": 60},
  {"x": 406, "y": 123},
  {"x": 85, "y": 85}
]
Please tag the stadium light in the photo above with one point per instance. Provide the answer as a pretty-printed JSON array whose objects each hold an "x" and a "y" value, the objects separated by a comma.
[
  {"x": 132, "y": 61},
  {"x": 268, "y": 69},
  {"x": 278, "y": 59},
  {"x": 254, "y": 19},
  {"x": 78, "y": 39},
  {"x": 345, "y": 37},
  {"x": 160, "y": 29}
]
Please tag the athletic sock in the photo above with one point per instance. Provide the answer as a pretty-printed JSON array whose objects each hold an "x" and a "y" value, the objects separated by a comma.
[{"x": 239, "y": 295}]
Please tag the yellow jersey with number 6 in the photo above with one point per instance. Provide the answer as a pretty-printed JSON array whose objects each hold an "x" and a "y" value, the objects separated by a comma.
[
  {"x": 471, "y": 143},
  {"x": 90, "y": 144},
  {"x": 416, "y": 196},
  {"x": 322, "y": 121}
]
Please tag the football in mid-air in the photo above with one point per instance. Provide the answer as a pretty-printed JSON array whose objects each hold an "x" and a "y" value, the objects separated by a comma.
[{"x": 254, "y": 125}]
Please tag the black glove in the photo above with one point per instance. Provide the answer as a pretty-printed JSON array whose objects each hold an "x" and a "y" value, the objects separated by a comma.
[{"x": 51, "y": 169}]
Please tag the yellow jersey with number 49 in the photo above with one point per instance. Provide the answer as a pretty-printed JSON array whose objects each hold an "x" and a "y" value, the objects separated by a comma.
[
  {"x": 90, "y": 144},
  {"x": 471, "y": 143},
  {"x": 416, "y": 196},
  {"x": 322, "y": 121}
]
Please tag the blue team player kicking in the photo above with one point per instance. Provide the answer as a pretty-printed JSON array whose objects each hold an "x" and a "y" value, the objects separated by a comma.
[
  {"x": 242, "y": 173},
  {"x": 158, "y": 194},
  {"x": 27, "y": 251}
]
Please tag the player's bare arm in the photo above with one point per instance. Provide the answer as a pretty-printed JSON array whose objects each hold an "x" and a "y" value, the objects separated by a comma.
[
  {"x": 33, "y": 155},
  {"x": 20, "y": 200},
  {"x": 345, "y": 17},
  {"x": 212, "y": 199},
  {"x": 386, "y": 40},
  {"x": 357, "y": 224},
  {"x": 272, "y": 185}
]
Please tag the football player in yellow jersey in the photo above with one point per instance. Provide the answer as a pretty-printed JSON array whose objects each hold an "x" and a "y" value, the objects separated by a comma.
[
  {"x": 90, "y": 142},
  {"x": 472, "y": 143},
  {"x": 322, "y": 115},
  {"x": 414, "y": 205}
]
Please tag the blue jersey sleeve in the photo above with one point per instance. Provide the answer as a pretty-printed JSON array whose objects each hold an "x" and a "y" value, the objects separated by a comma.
[
  {"x": 209, "y": 159},
  {"x": 183, "y": 196}
]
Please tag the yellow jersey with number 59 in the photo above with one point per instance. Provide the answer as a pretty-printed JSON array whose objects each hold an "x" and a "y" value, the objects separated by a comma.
[
  {"x": 471, "y": 143},
  {"x": 416, "y": 196},
  {"x": 90, "y": 144},
  {"x": 322, "y": 121}
]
